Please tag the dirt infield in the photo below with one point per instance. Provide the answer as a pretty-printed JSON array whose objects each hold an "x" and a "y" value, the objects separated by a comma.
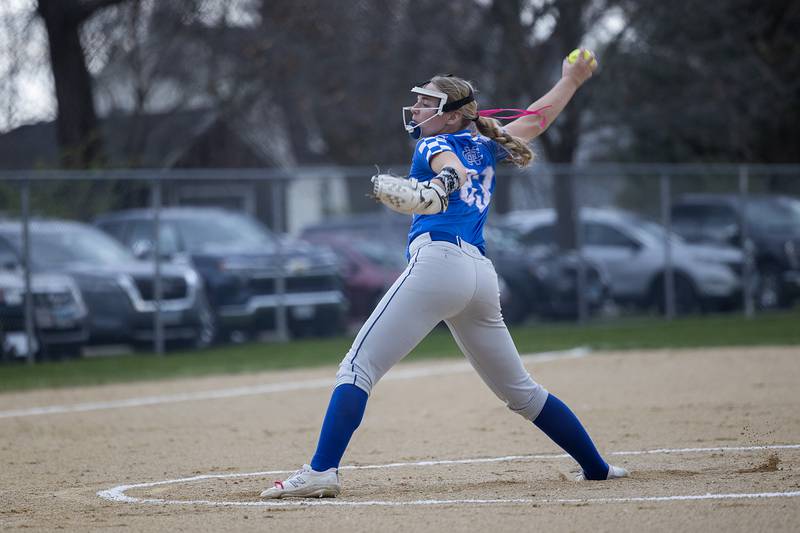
[{"x": 720, "y": 428}]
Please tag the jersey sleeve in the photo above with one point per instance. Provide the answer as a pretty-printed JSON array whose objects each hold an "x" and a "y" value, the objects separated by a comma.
[{"x": 429, "y": 147}]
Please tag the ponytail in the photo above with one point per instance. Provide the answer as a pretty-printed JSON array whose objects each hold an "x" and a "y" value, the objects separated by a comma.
[
  {"x": 519, "y": 152},
  {"x": 457, "y": 90}
]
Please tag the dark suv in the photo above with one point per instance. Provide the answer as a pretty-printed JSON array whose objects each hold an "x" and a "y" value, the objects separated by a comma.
[
  {"x": 773, "y": 232},
  {"x": 241, "y": 263},
  {"x": 541, "y": 280},
  {"x": 532, "y": 281},
  {"x": 116, "y": 287}
]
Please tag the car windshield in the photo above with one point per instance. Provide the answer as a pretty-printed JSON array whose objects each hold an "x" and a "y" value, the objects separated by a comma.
[
  {"x": 774, "y": 212},
  {"x": 502, "y": 237},
  {"x": 380, "y": 253},
  {"x": 222, "y": 230},
  {"x": 656, "y": 230},
  {"x": 69, "y": 243}
]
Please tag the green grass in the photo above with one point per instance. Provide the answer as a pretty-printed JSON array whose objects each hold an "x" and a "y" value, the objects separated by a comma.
[{"x": 731, "y": 330}]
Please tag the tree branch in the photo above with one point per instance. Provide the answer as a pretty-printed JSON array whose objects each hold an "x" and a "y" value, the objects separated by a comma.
[{"x": 86, "y": 8}]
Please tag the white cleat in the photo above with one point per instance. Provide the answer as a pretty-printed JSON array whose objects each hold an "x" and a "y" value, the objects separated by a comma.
[
  {"x": 306, "y": 483},
  {"x": 614, "y": 472}
]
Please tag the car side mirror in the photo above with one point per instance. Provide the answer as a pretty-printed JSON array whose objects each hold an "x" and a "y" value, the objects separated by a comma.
[
  {"x": 142, "y": 248},
  {"x": 729, "y": 234}
]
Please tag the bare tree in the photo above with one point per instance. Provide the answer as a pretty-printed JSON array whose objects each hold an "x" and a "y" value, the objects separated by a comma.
[
  {"x": 526, "y": 65},
  {"x": 716, "y": 82},
  {"x": 77, "y": 131},
  {"x": 711, "y": 82}
]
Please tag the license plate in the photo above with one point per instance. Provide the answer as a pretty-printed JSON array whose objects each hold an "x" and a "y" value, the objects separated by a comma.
[
  {"x": 170, "y": 318},
  {"x": 303, "y": 312},
  {"x": 65, "y": 318}
]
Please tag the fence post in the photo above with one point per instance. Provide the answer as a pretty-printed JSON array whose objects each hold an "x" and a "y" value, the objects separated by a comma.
[
  {"x": 281, "y": 318},
  {"x": 747, "y": 249},
  {"x": 580, "y": 281},
  {"x": 26, "y": 265},
  {"x": 669, "y": 271},
  {"x": 158, "y": 323}
]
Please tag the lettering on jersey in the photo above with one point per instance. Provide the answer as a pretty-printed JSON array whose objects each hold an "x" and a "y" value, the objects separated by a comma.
[
  {"x": 477, "y": 190},
  {"x": 473, "y": 155}
]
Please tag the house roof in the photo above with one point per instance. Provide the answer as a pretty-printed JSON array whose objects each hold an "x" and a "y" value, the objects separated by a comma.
[{"x": 148, "y": 141}]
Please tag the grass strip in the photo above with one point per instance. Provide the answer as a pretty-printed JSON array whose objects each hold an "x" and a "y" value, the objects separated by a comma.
[{"x": 781, "y": 328}]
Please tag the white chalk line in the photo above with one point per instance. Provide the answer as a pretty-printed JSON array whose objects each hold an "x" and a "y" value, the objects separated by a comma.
[
  {"x": 117, "y": 494},
  {"x": 270, "y": 388},
  {"x": 510, "y": 501}
]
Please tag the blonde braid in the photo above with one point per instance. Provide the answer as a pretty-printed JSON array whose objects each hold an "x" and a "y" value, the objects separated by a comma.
[
  {"x": 455, "y": 88},
  {"x": 519, "y": 152}
]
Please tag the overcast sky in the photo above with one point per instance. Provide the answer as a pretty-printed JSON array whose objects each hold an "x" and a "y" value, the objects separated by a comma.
[{"x": 27, "y": 94}]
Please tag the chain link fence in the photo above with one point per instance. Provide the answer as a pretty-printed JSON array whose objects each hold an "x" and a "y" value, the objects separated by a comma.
[{"x": 201, "y": 278}]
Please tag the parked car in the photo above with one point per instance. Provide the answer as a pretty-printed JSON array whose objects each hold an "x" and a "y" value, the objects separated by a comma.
[
  {"x": 59, "y": 314},
  {"x": 387, "y": 227},
  {"x": 118, "y": 289},
  {"x": 632, "y": 252},
  {"x": 241, "y": 263},
  {"x": 773, "y": 233},
  {"x": 541, "y": 280},
  {"x": 532, "y": 281},
  {"x": 369, "y": 266}
]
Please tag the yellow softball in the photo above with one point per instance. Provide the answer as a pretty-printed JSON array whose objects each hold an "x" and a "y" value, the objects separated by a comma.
[{"x": 573, "y": 56}]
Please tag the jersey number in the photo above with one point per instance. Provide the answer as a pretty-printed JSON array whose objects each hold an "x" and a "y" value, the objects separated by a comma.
[{"x": 477, "y": 191}]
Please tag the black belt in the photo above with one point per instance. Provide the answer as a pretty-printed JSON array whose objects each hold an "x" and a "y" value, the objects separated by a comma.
[{"x": 448, "y": 237}]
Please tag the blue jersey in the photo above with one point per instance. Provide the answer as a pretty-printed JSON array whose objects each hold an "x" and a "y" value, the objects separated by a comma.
[{"x": 468, "y": 206}]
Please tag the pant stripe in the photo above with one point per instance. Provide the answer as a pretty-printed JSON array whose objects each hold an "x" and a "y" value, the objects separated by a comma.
[{"x": 353, "y": 368}]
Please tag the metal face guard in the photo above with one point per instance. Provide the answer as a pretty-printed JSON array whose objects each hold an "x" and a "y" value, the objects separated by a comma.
[{"x": 409, "y": 124}]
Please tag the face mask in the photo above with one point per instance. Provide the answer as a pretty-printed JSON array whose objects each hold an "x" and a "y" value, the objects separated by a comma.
[{"x": 411, "y": 126}]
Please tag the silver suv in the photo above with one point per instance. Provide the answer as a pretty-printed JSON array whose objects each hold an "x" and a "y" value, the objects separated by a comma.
[
  {"x": 59, "y": 314},
  {"x": 632, "y": 251}
]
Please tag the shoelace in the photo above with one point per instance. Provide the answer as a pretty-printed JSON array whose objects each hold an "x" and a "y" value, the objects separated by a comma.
[
  {"x": 278, "y": 483},
  {"x": 578, "y": 472},
  {"x": 298, "y": 472}
]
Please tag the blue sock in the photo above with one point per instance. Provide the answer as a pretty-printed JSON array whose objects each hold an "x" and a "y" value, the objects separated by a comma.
[
  {"x": 560, "y": 424},
  {"x": 345, "y": 412}
]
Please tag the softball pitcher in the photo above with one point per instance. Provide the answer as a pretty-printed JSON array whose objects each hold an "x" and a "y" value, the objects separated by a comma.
[{"x": 448, "y": 278}]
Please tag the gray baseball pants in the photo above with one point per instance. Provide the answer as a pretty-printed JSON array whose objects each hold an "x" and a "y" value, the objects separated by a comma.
[{"x": 456, "y": 284}]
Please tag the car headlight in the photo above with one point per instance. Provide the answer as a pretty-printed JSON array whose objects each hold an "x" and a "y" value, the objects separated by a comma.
[
  {"x": 77, "y": 295},
  {"x": 11, "y": 296},
  {"x": 191, "y": 277}
]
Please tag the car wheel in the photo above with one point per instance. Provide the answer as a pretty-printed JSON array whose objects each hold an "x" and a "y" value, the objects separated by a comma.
[
  {"x": 768, "y": 291},
  {"x": 330, "y": 324},
  {"x": 514, "y": 311},
  {"x": 686, "y": 299}
]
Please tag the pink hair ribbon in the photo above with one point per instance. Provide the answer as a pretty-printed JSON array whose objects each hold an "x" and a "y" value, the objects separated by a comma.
[{"x": 515, "y": 113}]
